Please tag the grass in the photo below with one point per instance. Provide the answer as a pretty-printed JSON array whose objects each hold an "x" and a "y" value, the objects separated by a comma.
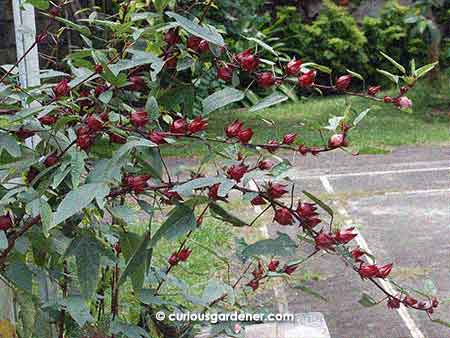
[{"x": 383, "y": 128}]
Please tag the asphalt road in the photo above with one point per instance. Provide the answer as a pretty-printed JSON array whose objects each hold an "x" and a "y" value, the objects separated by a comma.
[{"x": 400, "y": 204}]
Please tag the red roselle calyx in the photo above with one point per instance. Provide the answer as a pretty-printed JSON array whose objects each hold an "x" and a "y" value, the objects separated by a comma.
[
  {"x": 345, "y": 236},
  {"x": 184, "y": 254},
  {"x": 139, "y": 118},
  {"x": 289, "y": 269},
  {"x": 374, "y": 271},
  {"x": 247, "y": 61},
  {"x": 171, "y": 37},
  {"x": 48, "y": 120},
  {"x": 5, "y": 222},
  {"x": 289, "y": 138},
  {"x": 324, "y": 241},
  {"x": 258, "y": 200},
  {"x": 276, "y": 190},
  {"x": 343, "y": 82},
  {"x": 307, "y": 79},
  {"x": 23, "y": 133},
  {"x": 225, "y": 73},
  {"x": 283, "y": 216},
  {"x": 93, "y": 123},
  {"x": 265, "y": 164},
  {"x": 61, "y": 89},
  {"x": 372, "y": 91},
  {"x": 137, "y": 83},
  {"x": 51, "y": 160},
  {"x": 137, "y": 183},
  {"x": 98, "y": 68},
  {"x": 197, "y": 125},
  {"x": 116, "y": 138},
  {"x": 265, "y": 79},
  {"x": 84, "y": 141},
  {"x": 245, "y": 135},
  {"x": 273, "y": 265},
  {"x": 293, "y": 67},
  {"x": 237, "y": 171},
  {"x": 178, "y": 126},
  {"x": 157, "y": 137},
  {"x": 233, "y": 128},
  {"x": 337, "y": 141},
  {"x": 271, "y": 146},
  {"x": 173, "y": 259},
  {"x": 254, "y": 284}
]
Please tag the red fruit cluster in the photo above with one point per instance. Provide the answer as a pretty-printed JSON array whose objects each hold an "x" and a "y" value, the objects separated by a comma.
[
  {"x": 327, "y": 241},
  {"x": 236, "y": 130},
  {"x": 179, "y": 256},
  {"x": 197, "y": 44},
  {"x": 237, "y": 171},
  {"x": 308, "y": 215}
]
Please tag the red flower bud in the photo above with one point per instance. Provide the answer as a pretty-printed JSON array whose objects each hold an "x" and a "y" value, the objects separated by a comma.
[
  {"x": 245, "y": 135},
  {"x": 272, "y": 146},
  {"x": 409, "y": 301},
  {"x": 307, "y": 79},
  {"x": 434, "y": 302},
  {"x": 337, "y": 141},
  {"x": 265, "y": 164},
  {"x": 137, "y": 183},
  {"x": 99, "y": 90},
  {"x": 157, "y": 137},
  {"x": 289, "y": 138},
  {"x": 283, "y": 216},
  {"x": 273, "y": 265},
  {"x": 61, "y": 89},
  {"x": 237, "y": 171},
  {"x": 233, "y": 128},
  {"x": 254, "y": 284},
  {"x": 345, "y": 236},
  {"x": 55, "y": 11},
  {"x": 324, "y": 241},
  {"x": 343, "y": 82},
  {"x": 184, "y": 254},
  {"x": 5, "y": 222},
  {"x": 357, "y": 253},
  {"x": 289, "y": 269},
  {"x": 404, "y": 90},
  {"x": 203, "y": 46},
  {"x": 368, "y": 271},
  {"x": 171, "y": 62},
  {"x": 139, "y": 118},
  {"x": 173, "y": 259},
  {"x": 225, "y": 73},
  {"x": 258, "y": 200},
  {"x": 372, "y": 91},
  {"x": 116, "y": 138},
  {"x": 31, "y": 175},
  {"x": 51, "y": 160},
  {"x": 117, "y": 248},
  {"x": 23, "y": 133},
  {"x": 213, "y": 192},
  {"x": 384, "y": 270},
  {"x": 393, "y": 303},
  {"x": 171, "y": 37},
  {"x": 293, "y": 67},
  {"x": 178, "y": 126},
  {"x": 265, "y": 79},
  {"x": 193, "y": 42},
  {"x": 306, "y": 209},
  {"x": 137, "y": 83},
  {"x": 98, "y": 68},
  {"x": 247, "y": 60},
  {"x": 197, "y": 125},
  {"x": 276, "y": 190},
  {"x": 48, "y": 120},
  {"x": 302, "y": 149},
  {"x": 388, "y": 99},
  {"x": 93, "y": 123},
  {"x": 84, "y": 141}
]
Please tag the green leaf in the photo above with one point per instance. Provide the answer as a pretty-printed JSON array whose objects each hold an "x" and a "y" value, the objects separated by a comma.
[
  {"x": 79, "y": 28},
  {"x": 202, "y": 32},
  {"x": 125, "y": 214},
  {"x": 215, "y": 289},
  {"x": 77, "y": 166},
  {"x": 3, "y": 241},
  {"x": 78, "y": 310},
  {"x": 355, "y": 74},
  {"x": 105, "y": 97},
  {"x": 424, "y": 70},
  {"x": 367, "y": 300},
  {"x": 186, "y": 189},
  {"x": 392, "y": 77},
  {"x": 220, "y": 213},
  {"x": 135, "y": 143},
  {"x": 19, "y": 273},
  {"x": 9, "y": 143},
  {"x": 395, "y": 63},
  {"x": 181, "y": 220},
  {"x": 310, "y": 291},
  {"x": 429, "y": 287},
  {"x": 87, "y": 251},
  {"x": 46, "y": 216},
  {"x": 323, "y": 69},
  {"x": 221, "y": 98},
  {"x": 128, "y": 330},
  {"x": 319, "y": 202},
  {"x": 334, "y": 122},
  {"x": 360, "y": 116},
  {"x": 136, "y": 264},
  {"x": 269, "y": 101},
  {"x": 281, "y": 246},
  {"x": 263, "y": 45},
  {"x": 78, "y": 199}
]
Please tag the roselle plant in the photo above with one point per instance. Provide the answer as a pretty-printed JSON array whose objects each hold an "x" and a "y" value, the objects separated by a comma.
[{"x": 85, "y": 150}]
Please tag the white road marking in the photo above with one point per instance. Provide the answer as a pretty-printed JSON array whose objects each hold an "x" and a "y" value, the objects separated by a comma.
[
  {"x": 280, "y": 294},
  {"x": 416, "y": 192},
  {"x": 402, "y": 311},
  {"x": 373, "y": 173}
]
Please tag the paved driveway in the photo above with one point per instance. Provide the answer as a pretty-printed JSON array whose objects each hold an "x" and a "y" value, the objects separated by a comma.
[{"x": 400, "y": 204}]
